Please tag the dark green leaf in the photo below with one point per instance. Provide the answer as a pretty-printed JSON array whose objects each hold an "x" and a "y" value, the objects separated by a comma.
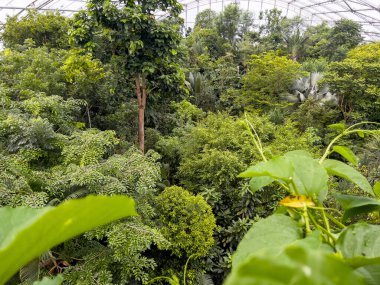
[
  {"x": 338, "y": 168},
  {"x": 355, "y": 205},
  {"x": 29, "y": 232},
  {"x": 346, "y": 153}
]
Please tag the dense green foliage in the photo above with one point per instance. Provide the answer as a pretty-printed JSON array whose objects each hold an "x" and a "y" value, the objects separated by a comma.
[
  {"x": 115, "y": 101},
  {"x": 356, "y": 82},
  {"x": 268, "y": 80},
  {"x": 187, "y": 221},
  {"x": 145, "y": 48},
  {"x": 50, "y": 30}
]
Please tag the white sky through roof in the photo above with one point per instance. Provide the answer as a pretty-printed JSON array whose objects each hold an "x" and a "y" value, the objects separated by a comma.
[{"x": 366, "y": 12}]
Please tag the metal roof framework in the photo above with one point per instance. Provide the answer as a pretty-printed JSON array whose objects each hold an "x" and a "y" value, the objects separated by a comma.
[{"x": 365, "y": 12}]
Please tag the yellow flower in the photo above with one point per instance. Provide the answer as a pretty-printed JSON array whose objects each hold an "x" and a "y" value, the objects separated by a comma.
[{"x": 297, "y": 201}]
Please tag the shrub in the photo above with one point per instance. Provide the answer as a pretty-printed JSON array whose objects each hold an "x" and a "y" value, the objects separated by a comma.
[{"x": 186, "y": 221}]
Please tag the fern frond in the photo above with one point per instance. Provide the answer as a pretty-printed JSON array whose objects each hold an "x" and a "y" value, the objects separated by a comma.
[
  {"x": 30, "y": 272},
  {"x": 205, "y": 279},
  {"x": 78, "y": 194}
]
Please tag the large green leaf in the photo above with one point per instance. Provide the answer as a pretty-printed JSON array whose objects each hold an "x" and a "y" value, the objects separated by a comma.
[
  {"x": 25, "y": 233},
  {"x": 298, "y": 169},
  {"x": 347, "y": 153},
  {"x": 296, "y": 266},
  {"x": 355, "y": 205},
  {"x": 267, "y": 237},
  {"x": 257, "y": 183},
  {"x": 313, "y": 241},
  {"x": 308, "y": 175},
  {"x": 277, "y": 168},
  {"x": 338, "y": 168},
  {"x": 360, "y": 244}
]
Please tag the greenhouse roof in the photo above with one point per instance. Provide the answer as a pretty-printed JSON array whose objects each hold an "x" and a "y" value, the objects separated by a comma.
[{"x": 365, "y": 12}]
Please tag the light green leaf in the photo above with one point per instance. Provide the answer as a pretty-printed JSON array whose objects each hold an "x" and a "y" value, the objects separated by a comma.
[
  {"x": 314, "y": 242},
  {"x": 257, "y": 183},
  {"x": 296, "y": 266},
  {"x": 360, "y": 261},
  {"x": 355, "y": 205},
  {"x": 29, "y": 232},
  {"x": 267, "y": 237},
  {"x": 360, "y": 244},
  {"x": 360, "y": 134},
  {"x": 338, "y": 168},
  {"x": 277, "y": 168},
  {"x": 339, "y": 127},
  {"x": 346, "y": 153},
  {"x": 376, "y": 188},
  {"x": 295, "y": 168},
  {"x": 47, "y": 281},
  {"x": 132, "y": 48}
]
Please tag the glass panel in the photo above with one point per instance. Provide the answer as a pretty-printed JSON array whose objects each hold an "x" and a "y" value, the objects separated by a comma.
[{"x": 366, "y": 12}]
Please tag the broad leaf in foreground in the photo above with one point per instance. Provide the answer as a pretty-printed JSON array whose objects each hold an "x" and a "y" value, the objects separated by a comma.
[
  {"x": 371, "y": 273},
  {"x": 277, "y": 168},
  {"x": 297, "y": 169},
  {"x": 257, "y": 183},
  {"x": 360, "y": 244},
  {"x": 297, "y": 266},
  {"x": 25, "y": 233},
  {"x": 338, "y": 168},
  {"x": 355, "y": 205},
  {"x": 267, "y": 237},
  {"x": 309, "y": 176}
]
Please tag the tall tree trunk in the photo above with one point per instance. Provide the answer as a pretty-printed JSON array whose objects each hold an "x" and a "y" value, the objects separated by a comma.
[
  {"x": 88, "y": 115},
  {"x": 141, "y": 100}
]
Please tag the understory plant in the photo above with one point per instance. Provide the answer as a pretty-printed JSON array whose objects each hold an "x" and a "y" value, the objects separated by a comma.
[{"x": 305, "y": 241}]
